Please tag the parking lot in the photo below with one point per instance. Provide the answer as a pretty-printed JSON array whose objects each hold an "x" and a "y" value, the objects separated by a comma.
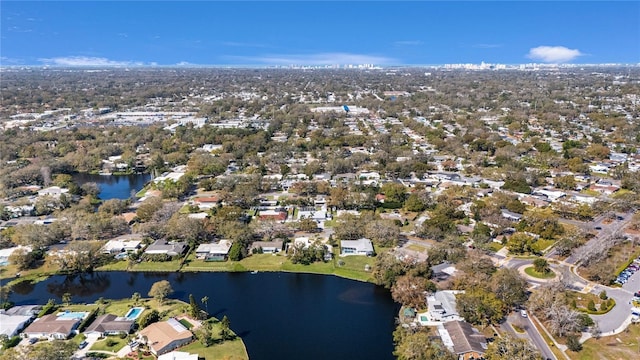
[{"x": 626, "y": 274}]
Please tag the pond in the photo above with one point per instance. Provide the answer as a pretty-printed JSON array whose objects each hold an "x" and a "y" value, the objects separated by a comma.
[
  {"x": 278, "y": 315},
  {"x": 114, "y": 186}
]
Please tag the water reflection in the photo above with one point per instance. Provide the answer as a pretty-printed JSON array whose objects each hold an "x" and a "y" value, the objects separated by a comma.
[{"x": 83, "y": 285}]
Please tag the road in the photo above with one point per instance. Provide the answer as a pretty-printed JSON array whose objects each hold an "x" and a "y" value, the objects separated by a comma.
[
  {"x": 605, "y": 233},
  {"x": 530, "y": 333}
]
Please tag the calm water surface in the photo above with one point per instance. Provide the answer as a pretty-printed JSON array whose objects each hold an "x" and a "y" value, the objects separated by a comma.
[
  {"x": 278, "y": 315},
  {"x": 114, "y": 186}
]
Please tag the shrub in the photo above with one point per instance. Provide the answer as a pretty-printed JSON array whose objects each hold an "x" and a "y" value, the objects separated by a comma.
[
  {"x": 110, "y": 342},
  {"x": 573, "y": 343},
  {"x": 603, "y": 295},
  {"x": 591, "y": 306}
]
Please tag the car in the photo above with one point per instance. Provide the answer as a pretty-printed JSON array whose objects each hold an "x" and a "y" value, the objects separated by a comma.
[
  {"x": 523, "y": 313},
  {"x": 83, "y": 345},
  {"x": 33, "y": 340},
  {"x": 598, "y": 228}
]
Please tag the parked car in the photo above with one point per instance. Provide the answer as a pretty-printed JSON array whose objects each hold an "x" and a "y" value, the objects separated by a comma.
[
  {"x": 523, "y": 313},
  {"x": 83, "y": 345}
]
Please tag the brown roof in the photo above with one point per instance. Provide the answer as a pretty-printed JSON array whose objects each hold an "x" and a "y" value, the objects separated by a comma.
[
  {"x": 161, "y": 334},
  {"x": 129, "y": 217},
  {"x": 210, "y": 199},
  {"x": 110, "y": 323},
  {"x": 465, "y": 338},
  {"x": 51, "y": 324}
]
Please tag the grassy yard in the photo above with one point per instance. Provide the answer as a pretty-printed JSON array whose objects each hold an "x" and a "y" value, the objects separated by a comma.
[
  {"x": 622, "y": 346},
  {"x": 116, "y": 342},
  {"x": 416, "y": 247},
  {"x": 228, "y": 350},
  {"x": 582, "y": 300},
  {"x": 533, "y": 273},
  {"x": 541, "y": 244},
  {"x": 352, "y": 267}
]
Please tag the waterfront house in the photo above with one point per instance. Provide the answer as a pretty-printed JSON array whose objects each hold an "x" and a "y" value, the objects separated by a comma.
[
  {"x": 463, "y": 340},
  {"x": 164, "y": 336},
  {"x": 162, "y": 247},
  {"x": 13, "y": 320},
  {"x": 268, "y": 247},
  {"x": 109, "y": 324},
  {"x": 442, "y": 306},
  {"x": 52, "y": 327},
  {"x": 214, "y": 251},
  {"x": 361, "y": 246}
]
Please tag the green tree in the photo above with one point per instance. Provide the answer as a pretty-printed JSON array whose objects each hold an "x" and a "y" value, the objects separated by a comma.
[
  {"x": 235, "y": 252},
  {"x": 394, "y": 192},
  {"x": 509, "y": 287},
  {"x": 225, "y": 329},
  {"x": 205, "y": 301},
  {"x": 148, "y": 318},
  {"x": 573, "y": 343},
  {"x": 480, "y": 307},
  {"x": 541, "y": 265},
  {"x": 413, "y": 344},
  {"x": 160, "y": 290},
  {"x": 194, "y": 310},
  {"x": 135, "y": 298},
  {"x": 66, "y": 298}
]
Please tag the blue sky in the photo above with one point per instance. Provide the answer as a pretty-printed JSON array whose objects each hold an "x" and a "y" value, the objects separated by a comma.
[{"x": 319, "y": 33}]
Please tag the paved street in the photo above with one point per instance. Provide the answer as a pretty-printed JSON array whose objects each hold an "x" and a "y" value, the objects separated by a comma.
[{"x": 531, "y": 333}]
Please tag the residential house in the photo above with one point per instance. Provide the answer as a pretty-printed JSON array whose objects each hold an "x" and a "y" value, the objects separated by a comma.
[
  {"x": 53, "y": 191},
  {"x": 442, "y": 306},
  {"x": 178, "y": 355},
  {"x": 273, "y": 215},
  {"x": 52, "y": 327},
  {"x": 206, "y": 202},
  {"x": 268, "y": 247},
  {"x": 510, "y": 215},
  {"x": 362, "y": 246},
  {"x": 13, "y": 320},
  {"x": 162, "y": 247},
  {"x": 125, "y": 243},
  {"x": 464, "y": 340},
  {"x": 109, "y": 324},
  {"x": 214, "y": 251},
  {"x": 164, "y": 336},
  {"x": 6, "y": 253}
]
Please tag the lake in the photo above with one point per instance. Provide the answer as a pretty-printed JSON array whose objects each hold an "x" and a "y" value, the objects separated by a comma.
[
  {"x": 278, "y": 315},
  {"x": 114, "y": 186}
]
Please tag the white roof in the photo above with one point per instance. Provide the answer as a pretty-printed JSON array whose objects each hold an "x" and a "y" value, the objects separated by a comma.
[
  {"x": 9, "y": 324},
  {"x": 8, "y": 251},
  {"x": 120, "y": 244},
  {"x": 178, "y": 355},
  {"x": 362, "y": 244},
  {"x": 221, "y": 247}
]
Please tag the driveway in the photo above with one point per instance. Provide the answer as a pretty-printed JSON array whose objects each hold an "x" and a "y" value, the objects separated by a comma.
[{"x": 81, "y": 353}]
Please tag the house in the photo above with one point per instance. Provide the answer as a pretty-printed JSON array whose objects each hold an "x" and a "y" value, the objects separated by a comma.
[
  {"x": 121, "y": 244},
  {"x": 13, "y": 320},
  {"x": 463, "y": 340},
  {"x": 162, "y": 337},
  {"x": 109, "y": 324},
  {"x": 214, "y": 251},
  {"x": 6, "y": 253},
  {"x": 442, "y": 306},
  {"x": 206, "y": 202},
  {"x": 510, "y": 215},
  {"x": 54, "y": 191},
  {"x": 162, "y": 247},
  {"x": 178, "y": 355},
  {"x": 273, "y": 215},
  {"x": 361, "y": 246},
  {"x": 52, "y": 327},
  {"x": 268, "y": 247}
]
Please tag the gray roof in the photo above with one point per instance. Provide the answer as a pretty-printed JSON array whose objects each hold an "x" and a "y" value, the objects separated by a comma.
[
  {"x": 465, "y": 338},
  {"x": 110, "y": 323}
]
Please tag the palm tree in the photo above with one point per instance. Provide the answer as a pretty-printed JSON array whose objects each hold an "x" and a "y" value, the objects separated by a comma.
[{"x": 205, "y": 301}]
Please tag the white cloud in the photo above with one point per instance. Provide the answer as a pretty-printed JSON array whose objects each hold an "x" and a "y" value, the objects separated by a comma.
[
  {"x": 184, "y": 63},
  {"x": 553, "y": 54},
  {"x": 408, "y": 43},
  {"x": 87, "y": 61},
  {"x": 314, "y": 59}
]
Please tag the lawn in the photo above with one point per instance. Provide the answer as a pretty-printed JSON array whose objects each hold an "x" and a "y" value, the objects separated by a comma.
[
  {"x": 530, "y": 270},
  {"x": 582, "y": 300},
  {"x": 416, "y": 247},
  {"x": 115, "y": 340},
  {"x": 541, "y": 244},
  {"x": 621, "y": 346},
  {"x": 352, "y": 267},
  {"x": 228, "y": 350}
]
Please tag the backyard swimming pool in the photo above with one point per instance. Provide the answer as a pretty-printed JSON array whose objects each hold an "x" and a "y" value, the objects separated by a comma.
[
  {"x": 133, "y": 314},
  {"x": 72, "y": 315}
]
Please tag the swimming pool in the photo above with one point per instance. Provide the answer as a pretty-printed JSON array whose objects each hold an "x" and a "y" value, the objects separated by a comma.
[
  {"x": 133, "y": 314},
  {"x": 72, "y": 315}
]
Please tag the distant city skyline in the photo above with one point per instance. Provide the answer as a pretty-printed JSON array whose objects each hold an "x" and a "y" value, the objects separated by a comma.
[{"x": 321, "y": 33}]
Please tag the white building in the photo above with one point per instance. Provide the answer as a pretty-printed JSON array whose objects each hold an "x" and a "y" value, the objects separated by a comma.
[{"x": 361, "y": 246}]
